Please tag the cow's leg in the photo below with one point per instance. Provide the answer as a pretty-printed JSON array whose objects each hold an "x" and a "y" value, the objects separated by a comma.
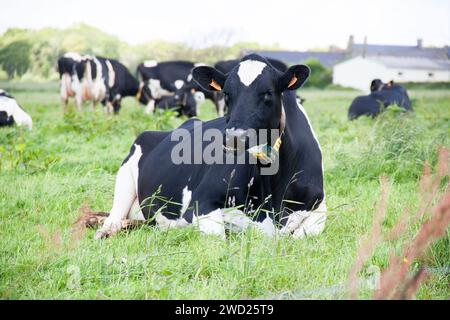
[
  {"x": 306, "y": 223},
  {"x": 109, "y": 107},
  {"x": 220, "y": 106},
  {"x": 79, "y": 101},
  {"x": 211, "y": 223},
  {"x": 236, "y": 221},
  {"x": 125, "y": 195},
  {"x": 117, "y": 104},
  {"x": 150, "y": 107}
]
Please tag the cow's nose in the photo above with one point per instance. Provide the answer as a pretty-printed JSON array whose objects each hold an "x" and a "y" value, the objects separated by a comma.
[{"x": 235, "y": 138}]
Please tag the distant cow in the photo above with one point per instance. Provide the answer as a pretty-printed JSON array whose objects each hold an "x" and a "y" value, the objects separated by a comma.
[
  {"x": 223, "y": 195},
  {"x": 103, "y": 80},
  {"x": 382, "y": 96},
  {"x": 67, "y": 75},
  {"x": 165, "y": 79},
  {"x": 187, "y": 106},
  {"x": 12, "y": 113}
]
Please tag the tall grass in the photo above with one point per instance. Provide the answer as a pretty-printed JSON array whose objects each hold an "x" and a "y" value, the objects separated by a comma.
[{"x": 47, "y": 174}]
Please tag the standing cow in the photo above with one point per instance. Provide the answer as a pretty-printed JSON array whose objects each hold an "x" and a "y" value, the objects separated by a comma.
[
  {"x": 164, "y": 79},
  {"x": 12, "y": 113},
  {"x": 197, "y": 191},
  {"x": 103, "y": 80},
  {"x": 68, "y": 76}
]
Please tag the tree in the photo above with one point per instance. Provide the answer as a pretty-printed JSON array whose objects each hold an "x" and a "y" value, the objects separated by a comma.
[
  {"x": 15, "y": 58},
  {"x": 320, "y": 76}
]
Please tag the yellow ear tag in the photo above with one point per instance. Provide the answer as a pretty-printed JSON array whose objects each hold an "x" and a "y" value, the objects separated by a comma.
[
  {"x": 215, "y": 85},
  {"x": 293, "y": 81}
]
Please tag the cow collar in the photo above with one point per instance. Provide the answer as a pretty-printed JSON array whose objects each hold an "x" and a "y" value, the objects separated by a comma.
[{"x": 268, "y": 154}]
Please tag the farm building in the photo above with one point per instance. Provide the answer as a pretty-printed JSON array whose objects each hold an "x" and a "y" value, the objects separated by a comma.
[
  {"x": 326, "y": 58},
  {"x": 386, "y": 62},
  {"x": 360, "y": 63}
]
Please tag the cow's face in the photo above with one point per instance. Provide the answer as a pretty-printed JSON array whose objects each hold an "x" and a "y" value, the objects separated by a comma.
[
  {"x": 252, "y": 93},
  {"x": 144, "y": 94},
  {"x": 185, "y": 98}
]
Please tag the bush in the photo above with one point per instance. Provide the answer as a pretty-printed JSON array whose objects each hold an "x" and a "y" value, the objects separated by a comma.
[{"x": 320, "y": 76}]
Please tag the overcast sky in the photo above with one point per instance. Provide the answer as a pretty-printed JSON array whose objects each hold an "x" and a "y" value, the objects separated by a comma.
[{"x": 292, "y": 24}]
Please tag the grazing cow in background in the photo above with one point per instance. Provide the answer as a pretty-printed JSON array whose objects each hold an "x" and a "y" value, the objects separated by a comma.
[
  {"x": 12, "y": 113},
  {"x": 382, "y": 95},
  {"x": 258, "y": 96},
  {"x": 104, "y": 80},
  {"x": 188, "y": 107},
  {"x": 169, "y": 78},
  {"x": 67, "y": 75}
]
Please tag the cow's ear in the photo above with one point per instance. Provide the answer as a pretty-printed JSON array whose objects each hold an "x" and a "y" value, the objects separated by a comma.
[
  {"x": 294, "y": 77},
  {"x": 209, "y": 78}
]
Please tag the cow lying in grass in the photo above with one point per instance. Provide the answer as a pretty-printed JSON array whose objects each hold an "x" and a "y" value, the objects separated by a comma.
[
  {"x": 12, "y": 113},
  {"x": 382, "y": 96},
  {"x": 278, "y": 185}
]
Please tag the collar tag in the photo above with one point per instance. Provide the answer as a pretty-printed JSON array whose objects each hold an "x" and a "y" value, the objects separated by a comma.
[{"x": 264, "y": 153}]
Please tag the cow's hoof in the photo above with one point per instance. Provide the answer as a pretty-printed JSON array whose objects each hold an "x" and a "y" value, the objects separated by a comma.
[
  {"x": 109, "y": 228},
  {"x": 100, "y": 234}
]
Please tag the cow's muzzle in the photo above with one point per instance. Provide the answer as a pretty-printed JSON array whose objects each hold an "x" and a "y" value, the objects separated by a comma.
[{"x": 236, "y": 140}]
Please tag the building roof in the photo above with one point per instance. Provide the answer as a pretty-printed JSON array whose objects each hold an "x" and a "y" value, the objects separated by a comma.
[
  {"x": 328, "y": 59},
  {"x": 398, "y": 51},
  {"x": 411, "y": 62}
]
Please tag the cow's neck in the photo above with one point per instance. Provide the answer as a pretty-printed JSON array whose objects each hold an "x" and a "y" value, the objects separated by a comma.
[{"x": 290, "y": 150}]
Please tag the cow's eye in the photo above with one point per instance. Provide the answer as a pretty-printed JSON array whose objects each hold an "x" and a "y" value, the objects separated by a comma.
[{"x": 268, "y": 96}]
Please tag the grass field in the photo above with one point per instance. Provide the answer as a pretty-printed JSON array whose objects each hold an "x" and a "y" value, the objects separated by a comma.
[{"x": 47, "y": 174}]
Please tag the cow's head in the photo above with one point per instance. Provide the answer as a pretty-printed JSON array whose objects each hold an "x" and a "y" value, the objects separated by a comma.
[
  {"x": 376, "y": 85},
  {"x": 252, "y": 93},
  {"x": 144, "y": 94}
]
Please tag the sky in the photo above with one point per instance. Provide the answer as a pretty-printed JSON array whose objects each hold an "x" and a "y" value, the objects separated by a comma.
[{"x": 294, "y": 25}]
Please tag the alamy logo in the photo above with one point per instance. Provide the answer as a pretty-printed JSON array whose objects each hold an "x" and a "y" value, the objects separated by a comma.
[{"x": 234, "y": 146}]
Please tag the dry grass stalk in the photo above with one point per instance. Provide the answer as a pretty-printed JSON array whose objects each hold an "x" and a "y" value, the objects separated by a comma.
[
  {"x": 369, "y": 244},
  {"x": 395, "y": 282}
]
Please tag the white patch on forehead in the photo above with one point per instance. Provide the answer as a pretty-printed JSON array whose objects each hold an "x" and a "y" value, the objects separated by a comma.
[
  {"x": 199, "y": 64},
  {"x": 187, "y": 195},
  {"x": 150, "y": 63},
  {"x": 178, "y": 84},
  {"x": 249, "y": 70}
]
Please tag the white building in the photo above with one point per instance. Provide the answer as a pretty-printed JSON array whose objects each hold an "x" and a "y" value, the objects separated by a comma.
[
  {"x": 359, "y": 72},
  {"x": 366, "y": 62}
]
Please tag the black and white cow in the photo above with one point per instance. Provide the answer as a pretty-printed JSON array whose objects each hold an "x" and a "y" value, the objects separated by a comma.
[
  {"x": 104, "y": 80},
  {"x": 382, "y": 95},
  {"x": 67, "y": 75},
  {"x": 215, "y": 196},
  {"x": 12, "y": 113},
  {"x": 186, "y": 106},
  {"x": 165, "y": 79}
]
